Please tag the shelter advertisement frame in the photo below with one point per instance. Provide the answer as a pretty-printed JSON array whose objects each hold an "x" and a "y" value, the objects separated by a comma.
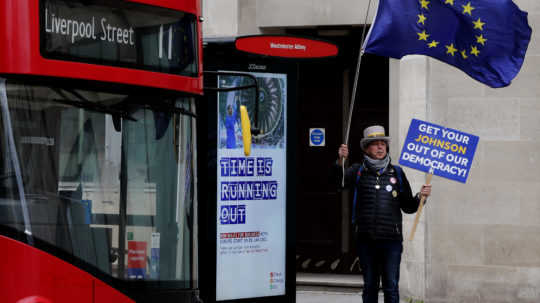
[
  {"x": 251, "y": 192},
  {"x": 279, "y": 283}
]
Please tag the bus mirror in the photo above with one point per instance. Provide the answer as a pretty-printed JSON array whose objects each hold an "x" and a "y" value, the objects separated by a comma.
[
  {"x": 255, "y": 131},
  {"x": 246, "y": 129}
]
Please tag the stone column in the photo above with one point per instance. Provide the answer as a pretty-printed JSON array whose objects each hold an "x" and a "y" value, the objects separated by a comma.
[{"x": 409, "y": 99}]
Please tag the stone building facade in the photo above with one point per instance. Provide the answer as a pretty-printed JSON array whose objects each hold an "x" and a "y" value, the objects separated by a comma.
[{"x": 476, "y": 242}]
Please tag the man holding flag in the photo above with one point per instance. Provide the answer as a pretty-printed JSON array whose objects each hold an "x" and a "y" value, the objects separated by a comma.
[
  {"x": 381, "y": 192},
  {"x": 486, "y": 39}
]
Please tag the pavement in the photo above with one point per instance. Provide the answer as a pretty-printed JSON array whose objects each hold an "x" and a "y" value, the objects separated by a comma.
[
  {"x": 305, "y": 296},
  {"x": 330, "y": 288}
]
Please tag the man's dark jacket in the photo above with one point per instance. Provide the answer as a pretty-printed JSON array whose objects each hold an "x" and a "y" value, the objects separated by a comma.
[{"x": 379, "y": 201}]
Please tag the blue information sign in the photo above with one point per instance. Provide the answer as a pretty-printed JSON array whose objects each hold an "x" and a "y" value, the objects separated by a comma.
[
  {"x": 442, "y": 151},
  {"x": 316, "y": 137}
]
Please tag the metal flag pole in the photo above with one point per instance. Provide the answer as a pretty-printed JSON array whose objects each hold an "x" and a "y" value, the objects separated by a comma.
[{"x": 355, "y": 85}]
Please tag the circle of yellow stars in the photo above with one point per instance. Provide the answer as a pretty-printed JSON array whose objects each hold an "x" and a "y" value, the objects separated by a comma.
[{"x": 451, "y": 50}]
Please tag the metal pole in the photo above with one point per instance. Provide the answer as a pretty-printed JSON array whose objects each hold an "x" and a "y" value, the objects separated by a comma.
[{"x": 355, "y": 85}]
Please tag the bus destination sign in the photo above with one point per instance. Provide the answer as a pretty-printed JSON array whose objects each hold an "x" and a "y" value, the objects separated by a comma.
[
  {"x": 130, "y": 35},
  {"x": 77, "y": 30}
]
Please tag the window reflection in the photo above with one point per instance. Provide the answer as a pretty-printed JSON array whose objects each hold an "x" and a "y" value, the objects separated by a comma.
[{"x": 103, "y": 178}]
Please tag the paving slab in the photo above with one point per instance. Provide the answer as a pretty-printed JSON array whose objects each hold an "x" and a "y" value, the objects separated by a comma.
[{"x": 330, "y": 288}]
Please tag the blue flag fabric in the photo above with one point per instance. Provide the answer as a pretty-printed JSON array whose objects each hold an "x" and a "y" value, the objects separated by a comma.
[{"x": 487, "y": 39}]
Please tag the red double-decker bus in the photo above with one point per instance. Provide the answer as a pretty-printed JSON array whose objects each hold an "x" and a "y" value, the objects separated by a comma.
[{"x": 97, "y": 150}]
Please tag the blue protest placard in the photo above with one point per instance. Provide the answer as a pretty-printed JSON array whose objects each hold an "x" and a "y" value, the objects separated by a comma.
[{"x": 439, "y": 150}]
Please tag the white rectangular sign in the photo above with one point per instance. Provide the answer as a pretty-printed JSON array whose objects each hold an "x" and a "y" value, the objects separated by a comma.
[{"x": 251, "y": 192}]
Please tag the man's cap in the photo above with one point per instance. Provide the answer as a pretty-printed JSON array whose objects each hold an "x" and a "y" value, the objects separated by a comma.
[{"x": 373, "y": 133}]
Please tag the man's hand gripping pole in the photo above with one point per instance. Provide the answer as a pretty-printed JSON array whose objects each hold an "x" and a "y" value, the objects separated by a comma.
[{"x": 421, "y": 206}]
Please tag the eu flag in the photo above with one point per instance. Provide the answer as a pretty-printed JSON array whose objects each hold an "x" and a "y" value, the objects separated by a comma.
[{"x": 487, "y": 39}]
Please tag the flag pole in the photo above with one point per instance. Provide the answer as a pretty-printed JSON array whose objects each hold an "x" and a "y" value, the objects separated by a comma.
[
  {"x": 355, "y": 85},
  {"x": 421, "y": 206}
]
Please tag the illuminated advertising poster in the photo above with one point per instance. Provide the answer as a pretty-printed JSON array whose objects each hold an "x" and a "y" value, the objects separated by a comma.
[{"x": 251, "y": 191}]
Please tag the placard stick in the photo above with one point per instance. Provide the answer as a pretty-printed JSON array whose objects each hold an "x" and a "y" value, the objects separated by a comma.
[{"x": 420, "y": 207}]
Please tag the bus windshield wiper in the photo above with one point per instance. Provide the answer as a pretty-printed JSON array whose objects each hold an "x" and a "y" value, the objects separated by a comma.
[
  {"x": 92, "y": 106},
  {"x": 162, "y": 106},
  {"x": 170, "y": 108},
  {"x": 95, "y": 107}
]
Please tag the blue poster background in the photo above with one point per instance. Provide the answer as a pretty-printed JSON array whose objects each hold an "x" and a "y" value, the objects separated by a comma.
[{"x": 443, "y": 151}]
